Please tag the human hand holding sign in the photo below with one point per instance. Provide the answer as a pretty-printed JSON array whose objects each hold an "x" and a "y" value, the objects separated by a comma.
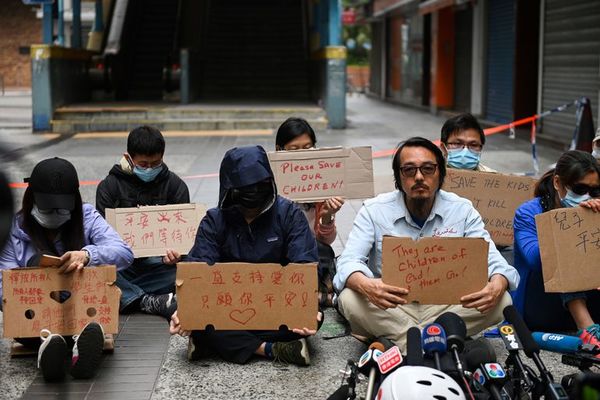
[
  {"x": 172, "y": 257},
  {"x": 330, "y": 207},
  {"x": 309, "y": 332},
  {"x": 175, "y": 326},
  {"x": 488, "y": 297},
  {"x": 592, "y": 204},
  {"x": 73, "y": 260},
  {"x": 382, "y": 295}
]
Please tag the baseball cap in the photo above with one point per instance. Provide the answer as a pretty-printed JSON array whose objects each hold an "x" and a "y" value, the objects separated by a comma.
[{"x": 54, "y": 183}]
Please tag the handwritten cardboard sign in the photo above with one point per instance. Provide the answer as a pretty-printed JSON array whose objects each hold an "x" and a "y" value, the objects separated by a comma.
[
  {"x": 241, "y": 296},
  {"x": 151, "y": 230},
  {"x": 495, "y": 196},
  {"x": 29, "y": 303},
  {"x": 319, "y": 174},
  {"x": 569, "y": 241},
  {"x": 435, "y": 270}
]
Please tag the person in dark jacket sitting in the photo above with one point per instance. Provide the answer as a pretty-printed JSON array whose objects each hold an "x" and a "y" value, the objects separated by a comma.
[
  {"x": 251, "y": 224},
  {"x": 143, "y": 179}
]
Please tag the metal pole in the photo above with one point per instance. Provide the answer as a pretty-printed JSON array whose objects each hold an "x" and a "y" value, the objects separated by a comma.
[
  {"x": 47, "y": 24},
  {"x": 99, "y": 18},
  {"x": 76, "y": 26},
  {"x": 61, "y": 22}
]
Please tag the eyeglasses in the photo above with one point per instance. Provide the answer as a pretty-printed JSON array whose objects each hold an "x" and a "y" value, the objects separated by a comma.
[
  {"x": 476, "y": 147},
  {"x": 410, "y": 171},
  {"x": 582, "y": 188},
  {"x": 145, "y": 165}
]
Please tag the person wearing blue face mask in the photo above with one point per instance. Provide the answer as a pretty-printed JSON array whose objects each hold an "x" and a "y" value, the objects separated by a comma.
[
  {"x": 596, "y": 146},
  {"x": 575, "y": 182},
  {"x": 141, "y": 178},
  {"x": 462, "y": 142}
]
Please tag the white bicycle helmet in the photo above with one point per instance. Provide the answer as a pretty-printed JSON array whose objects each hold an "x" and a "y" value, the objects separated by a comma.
[{"x": 419, "y": 383}]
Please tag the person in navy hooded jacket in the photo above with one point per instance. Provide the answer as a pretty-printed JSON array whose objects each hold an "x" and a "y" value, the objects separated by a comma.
[{"x": 251, "y": 224}]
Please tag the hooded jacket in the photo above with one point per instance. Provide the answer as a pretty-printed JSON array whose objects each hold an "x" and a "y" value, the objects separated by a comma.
[
  {"x": 124, "y": 189},
  {"x": 100, "y": 240},
  {"x": 280, "y": 234}
]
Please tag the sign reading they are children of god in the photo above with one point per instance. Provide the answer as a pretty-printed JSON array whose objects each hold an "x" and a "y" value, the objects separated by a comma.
[
  {"x": 151, "y": 230},
  {"x": 495, "y": 196},
  {"x": 435, "y": 270},
  {"x": 319, "y": 174},
  {"x": 569, "y": 241},
  {"x": 243, "y": 296},
  {"x": 43, "y": 298}
]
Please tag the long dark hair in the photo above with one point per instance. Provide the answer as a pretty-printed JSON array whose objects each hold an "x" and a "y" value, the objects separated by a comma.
[
  {"x": 291, "y": 129},
  {"x": 418, "y": 142},
  {"x": 571, "y": 167},
  {"x": 71, "y": 232}
]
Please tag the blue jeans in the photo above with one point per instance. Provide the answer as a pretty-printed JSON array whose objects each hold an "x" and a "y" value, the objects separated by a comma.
[{"x": 146, "y": 275}]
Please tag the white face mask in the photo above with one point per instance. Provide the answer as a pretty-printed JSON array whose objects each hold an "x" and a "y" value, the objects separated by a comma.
[
  {"x": 596, "y": 153},
  {"x": 50, "y": 219}
]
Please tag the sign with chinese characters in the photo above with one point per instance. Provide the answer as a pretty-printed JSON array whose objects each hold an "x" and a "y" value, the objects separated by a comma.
[
  {"x": 436, "y": 270},
  {"x": 569, "y": 241},
  {"x": 43, "y": 298},
  {"x": 495, "y": 196},
  {"x": 243, "y": 296},
  {"x": 319, "y": 174},
  {"x": 151, "y": 230}
]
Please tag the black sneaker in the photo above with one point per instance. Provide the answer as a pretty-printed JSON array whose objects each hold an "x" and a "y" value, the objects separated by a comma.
[
  {"x": 295, "y": 352},
  {"x": 52, "y": 356},
  {"x": 87, "y": 351},
  {"x": 164, "y": 305}
]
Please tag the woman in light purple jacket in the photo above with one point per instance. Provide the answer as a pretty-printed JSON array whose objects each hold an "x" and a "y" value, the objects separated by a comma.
[{"x": 54, "y": 221}]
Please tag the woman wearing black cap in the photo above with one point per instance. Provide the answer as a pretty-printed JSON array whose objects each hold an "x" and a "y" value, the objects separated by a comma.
[{"x": 54, "y": 221}]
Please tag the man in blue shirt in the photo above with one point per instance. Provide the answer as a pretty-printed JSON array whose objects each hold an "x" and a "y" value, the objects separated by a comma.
[{"x": 417, "y": 209}]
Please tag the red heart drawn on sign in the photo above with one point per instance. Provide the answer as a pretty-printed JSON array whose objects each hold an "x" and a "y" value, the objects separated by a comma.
[{"x": 244, "y": 316}]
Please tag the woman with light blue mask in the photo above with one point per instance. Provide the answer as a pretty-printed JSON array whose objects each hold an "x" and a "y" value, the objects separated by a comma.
[
  {"x": 462, "y": 143},
  {"x": 575, "y": 182}
]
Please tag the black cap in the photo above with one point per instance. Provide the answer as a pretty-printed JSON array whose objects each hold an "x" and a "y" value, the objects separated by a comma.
[{"x": 54, "y": 183}]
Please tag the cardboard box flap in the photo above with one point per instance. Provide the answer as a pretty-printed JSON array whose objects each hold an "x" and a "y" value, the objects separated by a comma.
[
  {"x": 243, "y": 296},
  {"x": 435, "y": 270}
]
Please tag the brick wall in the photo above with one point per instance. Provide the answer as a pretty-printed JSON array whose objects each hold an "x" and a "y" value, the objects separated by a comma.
[{"x": 18, "y": 27}]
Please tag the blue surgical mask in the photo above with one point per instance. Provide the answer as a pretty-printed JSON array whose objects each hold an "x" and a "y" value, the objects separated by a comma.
[
  {"x": 50, "y": 219},
  {"x": 147, "y": 174},
  {"x": 463, "y": 159},
  {"x": 573, "y": 200},
  {"x": 596, "y": 153}
]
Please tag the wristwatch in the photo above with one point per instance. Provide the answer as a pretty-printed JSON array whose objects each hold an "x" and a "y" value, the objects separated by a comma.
[
  {"x": 87, "y": 258},
  {"x": 332, "y": 218}
]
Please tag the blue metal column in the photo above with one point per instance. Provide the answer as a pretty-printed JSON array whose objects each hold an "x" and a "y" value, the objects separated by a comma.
[
  {"x": 334, "y": 23},
  {"x": 47, "y": 24},
  {"x": 76, "y": 25},
  {"x": 335, "y": 67},
  {"x": 61, "y": 22},
  {"x": 99, "y": 17}
]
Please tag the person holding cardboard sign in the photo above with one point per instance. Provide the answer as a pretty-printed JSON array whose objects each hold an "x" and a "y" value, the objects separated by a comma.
[
  {"x": 143, "y": 179},
  {"x": 462, "y": 143},
  {"x": 54, "y": 221},
  {"x": 419, "y": 208},
  {"x": 575, "y": 181},
  {"x": 251, "y": 224},
  {"x": 297, "y": 134}
]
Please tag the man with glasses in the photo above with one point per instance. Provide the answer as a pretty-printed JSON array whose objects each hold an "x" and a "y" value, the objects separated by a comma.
[
  {"x": 462, "y": 142},
  {"x": 419, "y": 208},
  {"x": 141, "y": 178}
]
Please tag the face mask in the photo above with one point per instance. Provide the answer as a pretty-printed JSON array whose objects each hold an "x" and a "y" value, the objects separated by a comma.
[
  {"x": 147, "y": 174},
  {"x": 573, "y": 200},
  {"x": 596, "y": 153},
  {"x": 254, "y": 196},
  {"x": 50, "y": 219},
  {"x": 463, "y": 159}
]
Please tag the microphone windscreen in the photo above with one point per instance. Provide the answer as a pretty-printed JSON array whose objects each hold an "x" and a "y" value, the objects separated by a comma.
[
  {"x": 557, "y": 343},
  {"x": 529, "y": 345},
  {"x": 455, "y": 327},
  {"x": 377, "y": 346},
  {"x": 387, "y": 343},
  {"x": 414, "y": 352},
  {"x": 478, "y": 351},
  {"x": 434, "y": 339}
]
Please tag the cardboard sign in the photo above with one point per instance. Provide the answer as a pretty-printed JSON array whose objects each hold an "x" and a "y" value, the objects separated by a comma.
[
  {"x": 151, "y": 230},
  {"x": 49, "y": 261},
  {"x": 242, "y": 296},
  {"x": 569, "y": 241},
  {"x": 29, "y": 303},
  {"x": 495, "y": 196},
  {"x": 319, "y": 174},
  {"x": 435, "y": 270}
]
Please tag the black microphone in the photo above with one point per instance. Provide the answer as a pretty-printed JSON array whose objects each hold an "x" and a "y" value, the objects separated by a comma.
[
  {"x": 480, "y": 358},
  {"x": 414, "y": 350},
  {"x": 478, "y": 351},
  {"x": 456, "y": 332},
  {"x": 348, "y": 390},
  {"x": 532, "y": 350}
]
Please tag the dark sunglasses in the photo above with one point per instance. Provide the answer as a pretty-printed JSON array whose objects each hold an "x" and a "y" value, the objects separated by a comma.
[{"x": 582, "y": 188}]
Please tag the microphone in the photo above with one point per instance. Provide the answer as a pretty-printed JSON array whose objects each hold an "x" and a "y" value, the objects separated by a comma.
[
  {"x": 414, "y": 351},
  {"x": 456, "y": 332},
  {"x": 532, "y": 350},
  {"x": 367, "y": 365},
  {"x": 563, "y": 344},
  {"x": 348, "y": 390},
  {"x": 478, "y": 351},
  {"x": 434, "y": 342},
  {"x": 492, "y": 377}
]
